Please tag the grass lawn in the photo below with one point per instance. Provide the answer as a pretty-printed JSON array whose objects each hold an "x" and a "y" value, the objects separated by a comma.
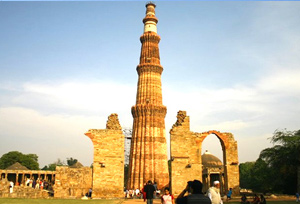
[
  {"x": 96, "y": 201},
  {"x": 57, "y": 201}
]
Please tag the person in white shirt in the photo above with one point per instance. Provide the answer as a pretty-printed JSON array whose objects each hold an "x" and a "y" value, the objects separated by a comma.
[
  {"x": 214, "y": 193},
  {"x": 11, "y": 187}
]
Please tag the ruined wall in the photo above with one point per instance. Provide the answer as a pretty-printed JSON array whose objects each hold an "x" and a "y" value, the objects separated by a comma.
[
  {"x": 72, "y": 182},
  {"x": 185, "y": 154},
  {"x": 20, "y": 191},
  {"x": 186, "y": 148},
  {"x": 108, "y": 166}
]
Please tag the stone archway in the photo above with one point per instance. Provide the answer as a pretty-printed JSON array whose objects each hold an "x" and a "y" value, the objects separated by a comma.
[
  {"x": 186, "y": 148},
  {"x": 230, "y": 157}
]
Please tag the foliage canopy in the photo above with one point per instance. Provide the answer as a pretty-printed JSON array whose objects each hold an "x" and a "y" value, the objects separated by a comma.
[
  {"x": 28, "y": 160},
  {"x": 278, "y": 168}
]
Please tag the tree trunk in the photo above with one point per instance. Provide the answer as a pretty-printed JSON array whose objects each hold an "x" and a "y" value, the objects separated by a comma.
[{"x": 298, "y": 178}]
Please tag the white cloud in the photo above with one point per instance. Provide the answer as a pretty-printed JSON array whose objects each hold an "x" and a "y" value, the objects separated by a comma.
[
  {"x": 97, "y": 96},
  {"x": 283, "y": 82},
  {"x": 246, "y": 111}
]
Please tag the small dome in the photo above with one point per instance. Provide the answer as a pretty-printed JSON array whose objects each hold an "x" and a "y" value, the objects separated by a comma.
[{"x": 209, "y": 160}]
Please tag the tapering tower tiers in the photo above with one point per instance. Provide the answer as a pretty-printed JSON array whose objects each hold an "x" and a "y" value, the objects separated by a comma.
[{"x": 148, "y": 153}]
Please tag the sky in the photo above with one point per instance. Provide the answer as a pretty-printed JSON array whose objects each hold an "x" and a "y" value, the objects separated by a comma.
[{"x": 234, "y": 66}]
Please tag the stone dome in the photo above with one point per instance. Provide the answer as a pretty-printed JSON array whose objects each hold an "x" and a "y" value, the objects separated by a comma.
[{"x": 209, "y": 160}]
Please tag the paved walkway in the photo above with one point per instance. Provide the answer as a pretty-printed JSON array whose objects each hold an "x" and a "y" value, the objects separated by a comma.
[{"x": 140, "y": 201}]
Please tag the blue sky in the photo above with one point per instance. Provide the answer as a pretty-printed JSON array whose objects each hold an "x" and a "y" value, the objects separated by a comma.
[{"x": 234, "y": 66}]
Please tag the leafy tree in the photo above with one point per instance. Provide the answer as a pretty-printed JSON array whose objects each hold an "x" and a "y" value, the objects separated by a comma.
[
  {"x": 245, "y": 174},
  {"x": 260, "y": 176},
  {"x": 284, "y": 160},
  {"x": 28, "y": 160},
  {"x": 52, "y": 166},
  {"x": 71, "y": 161}
]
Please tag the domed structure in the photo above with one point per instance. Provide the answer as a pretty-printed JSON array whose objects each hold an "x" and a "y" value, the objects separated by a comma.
[
  {"x": 209, "y": 160},
  {"x": 212, "y": 170}
]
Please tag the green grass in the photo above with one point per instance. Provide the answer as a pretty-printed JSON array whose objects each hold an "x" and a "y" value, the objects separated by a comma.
[
  {"x": 271, "y": 202},
  {"x": 58, "y": 201},
  {"x": 96, "y": 201}
]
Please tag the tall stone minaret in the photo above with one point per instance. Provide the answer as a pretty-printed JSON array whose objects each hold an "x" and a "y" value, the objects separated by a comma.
[{"x": 148, "y": 153}]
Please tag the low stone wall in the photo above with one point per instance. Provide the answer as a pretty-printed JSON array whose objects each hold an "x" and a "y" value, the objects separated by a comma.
[
  {"x": 72, "y": 182},
  {"x": 21, "y": 191}
]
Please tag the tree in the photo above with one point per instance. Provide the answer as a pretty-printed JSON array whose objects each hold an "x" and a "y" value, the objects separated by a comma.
[
  {"x": 284, "y": 160},
  {"x": 71, "y": 161},
  {"x": 245, "y": 174},
  {"x": 52, "y": 166},
  {"x": 28, "y": 160},
  {"x": 255, "y": 176},
  {"x": 260, "y": 176}
]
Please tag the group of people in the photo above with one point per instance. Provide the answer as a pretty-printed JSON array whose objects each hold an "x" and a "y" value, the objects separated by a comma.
[
  {"x": 137, "y": 193},
  {"x": 133, "y": 193},
  {"x": 195, "y": 195},
  {"x": 194, "y": 190},
  {"x": 37, "y": 184},
  {"x": 256, "y": 199}
]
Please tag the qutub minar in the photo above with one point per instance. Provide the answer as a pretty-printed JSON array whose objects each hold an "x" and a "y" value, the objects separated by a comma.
[{"x": 148, "y": 153}]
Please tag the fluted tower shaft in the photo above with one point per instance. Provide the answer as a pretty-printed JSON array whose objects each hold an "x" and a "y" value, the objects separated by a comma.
[{"x": 148, "y": 153}]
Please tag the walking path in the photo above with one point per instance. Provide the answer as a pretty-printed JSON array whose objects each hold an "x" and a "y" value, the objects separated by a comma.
[{"x": 140, "y": 201}]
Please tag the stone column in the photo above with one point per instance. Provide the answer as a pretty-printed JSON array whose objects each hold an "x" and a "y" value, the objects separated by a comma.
[{"x": 108, "y": 165}]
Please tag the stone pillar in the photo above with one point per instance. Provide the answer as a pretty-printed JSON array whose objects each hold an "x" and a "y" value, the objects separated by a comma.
[
  {"x": 185, "y": 153},
  {"x": 231, "y": 171},
  {"x": 17, "y": 178},
  {"x": 108, "y": 165}
]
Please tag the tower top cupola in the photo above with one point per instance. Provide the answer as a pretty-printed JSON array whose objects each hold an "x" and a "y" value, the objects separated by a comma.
[{"x": 150, "y": 20}]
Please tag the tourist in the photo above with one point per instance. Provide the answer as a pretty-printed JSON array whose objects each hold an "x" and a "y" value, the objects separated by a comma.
[
  {"x": 256, "y": 199},
  {"x": 137, "y": 192},
  {"x": 90, "y": 193},
  {"x": 37, "y": 185},
  {"x": 46, "y": 185},
  {"x": 244, "y": 199},
  {"x": 11, "y": 187},
  {"x": 262, "y": 199},
  {"x": 33, "y": 183},
  {"x": 30, "y": 182},
  {"x": 155, "y": 187},
  {"x": 167, "y": 198},
  {"x": 149, "y": 189},
  {"x": 27, "y": 182},
  {"x": 196, "y": 196},
  {"x": 41, "y": 184},
  {"x": 297, "y": 197},
  {"x": 214, "y": 193},
  {"x": 144, "y": 193},
  {"x": 229, "y": 194}
]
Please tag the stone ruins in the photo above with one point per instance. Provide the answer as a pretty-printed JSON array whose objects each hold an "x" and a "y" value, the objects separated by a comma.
[
  {"x": 186, "y": 155},
  {"x": 108, "y": 165}
]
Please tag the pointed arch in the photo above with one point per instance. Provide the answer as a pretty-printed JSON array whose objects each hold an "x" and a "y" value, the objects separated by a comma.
[{"x": 186, "y": 148}]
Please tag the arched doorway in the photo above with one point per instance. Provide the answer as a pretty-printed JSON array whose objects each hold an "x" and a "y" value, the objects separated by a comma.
[{"x": 186, "y": 148}]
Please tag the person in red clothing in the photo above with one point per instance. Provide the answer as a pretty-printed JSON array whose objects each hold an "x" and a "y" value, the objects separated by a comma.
[
  {"x": 144, "y": 193},
  {"x": 167, "y": 198},
  {"x": 256, "y": 199}
]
